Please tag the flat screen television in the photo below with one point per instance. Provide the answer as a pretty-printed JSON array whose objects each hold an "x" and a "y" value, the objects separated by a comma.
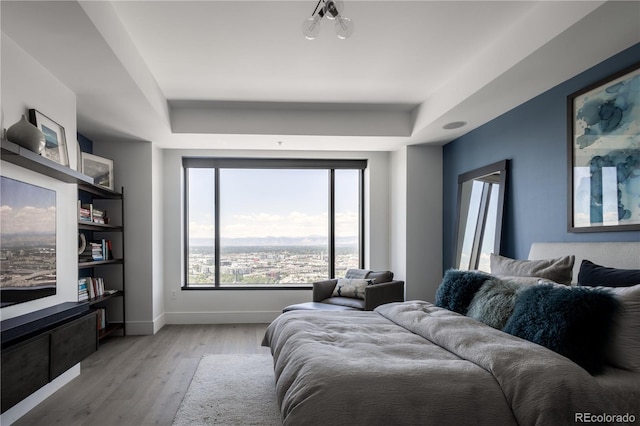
[{"x": 27, "y": 242}]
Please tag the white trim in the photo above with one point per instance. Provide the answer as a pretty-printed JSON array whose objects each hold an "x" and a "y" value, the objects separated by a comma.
[
  {"x": 241, "y": 317},
  {"x": 158, "y": 323}
]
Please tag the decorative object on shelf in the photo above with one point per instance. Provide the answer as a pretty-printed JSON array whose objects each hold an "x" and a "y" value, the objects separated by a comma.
[
  {"x": 99, "y": 168},
  {"x": 332, "y": 10},
  {"x": 82, "y": 243},
  {"x": 55, "y": 146},
  {"x": 26, "y": 135},
  {"x": 604, "y": 154}
]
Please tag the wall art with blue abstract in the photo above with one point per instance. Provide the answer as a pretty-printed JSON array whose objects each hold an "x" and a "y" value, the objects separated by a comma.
[{"x": 604, "y": 151}]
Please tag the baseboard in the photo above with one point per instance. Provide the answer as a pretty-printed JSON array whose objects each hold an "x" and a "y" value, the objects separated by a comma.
[
  {"x": 29, "y": 403},
  {"x": 253, "y": 317},
  {"x": 143, "y": 328},
  {"x": 158, "y": 323},
  {"x": 140, "y": 328}
]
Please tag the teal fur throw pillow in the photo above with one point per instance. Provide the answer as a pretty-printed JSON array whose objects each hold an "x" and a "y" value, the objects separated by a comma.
[
  {"x": 493, "y": 304},
  {"x": 347, "y": 287},
  {"x": 458, "y": 288},
  {"x": 575, "y": 322}
]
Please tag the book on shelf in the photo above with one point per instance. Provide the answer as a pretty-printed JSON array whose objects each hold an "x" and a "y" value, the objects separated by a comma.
[
  {"x": 96, "y": 251},
  {"x": 84, "y": 214},
  {"x": 98, "y": 216},
  {"x": 102, "y": 318},
  {"x": 92, "y": 287},
  {"x": 83, "y": 291},
  {"x": 88, "y": 213}
]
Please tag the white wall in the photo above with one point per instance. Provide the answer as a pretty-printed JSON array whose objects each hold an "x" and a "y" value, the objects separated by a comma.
[
  {"x": 242, "y": 306},
  {"x": 424, "y": 222},
  {"x": 398, "y": 219},
  {"x": 158, "y": 233},
  {"x": 132, "y": 169},
  {"x": 26, "y": 84},
  {"x": 416, "y": 219}
]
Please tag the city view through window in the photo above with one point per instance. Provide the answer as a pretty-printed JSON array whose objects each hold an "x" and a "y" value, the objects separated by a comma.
[{"x": 274, "y": 226}]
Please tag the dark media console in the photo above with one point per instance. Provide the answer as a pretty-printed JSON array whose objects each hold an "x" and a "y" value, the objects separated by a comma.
[{"x": 40, "y": 346}]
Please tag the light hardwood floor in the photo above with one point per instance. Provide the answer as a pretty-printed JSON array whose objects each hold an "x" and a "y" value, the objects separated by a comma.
[{"x": 141, "y": 380}]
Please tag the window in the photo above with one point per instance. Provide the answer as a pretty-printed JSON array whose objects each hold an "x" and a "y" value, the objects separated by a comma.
[
  {"x": 271, "y": 222},
  {"x": 478, "y": 242}
]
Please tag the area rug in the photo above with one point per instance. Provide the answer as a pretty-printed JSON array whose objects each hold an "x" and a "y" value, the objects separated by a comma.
[{"x": 231, "y": 390}]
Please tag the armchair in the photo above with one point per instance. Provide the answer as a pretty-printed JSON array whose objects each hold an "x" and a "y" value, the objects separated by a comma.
[{"x": 383, "y": 290}]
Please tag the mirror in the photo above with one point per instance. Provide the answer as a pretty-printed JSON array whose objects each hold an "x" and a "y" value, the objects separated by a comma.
[{"x": 479, "y": 215}]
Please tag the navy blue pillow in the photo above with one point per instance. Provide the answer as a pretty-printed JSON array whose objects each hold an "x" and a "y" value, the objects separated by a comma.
[
  {"x": 458, "y": 288},
  {"x": 595, "y": 275},
  {"x": 574, "y": 322}
]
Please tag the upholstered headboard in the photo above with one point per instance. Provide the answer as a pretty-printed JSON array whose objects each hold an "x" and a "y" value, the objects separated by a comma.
[{"x": 625, "y": 255}]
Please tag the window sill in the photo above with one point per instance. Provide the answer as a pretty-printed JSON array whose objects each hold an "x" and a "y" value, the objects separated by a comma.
[{"x": 250, "y": 287}]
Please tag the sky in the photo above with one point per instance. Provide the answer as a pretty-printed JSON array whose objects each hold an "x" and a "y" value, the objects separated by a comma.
[
  {"x": 26, "y": 209},
  {"x": 280, "y": 203}
]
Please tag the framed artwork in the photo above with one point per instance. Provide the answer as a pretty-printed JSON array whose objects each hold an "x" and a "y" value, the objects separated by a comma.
[
  {"x": 99, "y": 168},
  {"x": 604, "y": 154},
  {"x": 28, "y": 241},
  {"x": 55, "y": 147}
]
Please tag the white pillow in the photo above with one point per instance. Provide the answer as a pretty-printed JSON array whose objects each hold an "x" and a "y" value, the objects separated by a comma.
[{"x": 350, "y": 287}]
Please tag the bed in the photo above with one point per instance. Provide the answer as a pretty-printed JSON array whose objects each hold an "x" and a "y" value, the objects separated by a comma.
[{"x": 415, "y": 363}]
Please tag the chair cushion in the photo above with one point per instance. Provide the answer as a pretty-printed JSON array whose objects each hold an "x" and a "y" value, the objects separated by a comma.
[
  {"x": 357, "y": 273},
  {"x": 345, "y": 301},
  {"x": 380, "y": 277}
]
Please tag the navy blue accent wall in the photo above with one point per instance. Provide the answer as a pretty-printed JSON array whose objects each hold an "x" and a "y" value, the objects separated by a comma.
[
  {"x": 533, "y": 135},
  {"x": 86, "y": 144}
]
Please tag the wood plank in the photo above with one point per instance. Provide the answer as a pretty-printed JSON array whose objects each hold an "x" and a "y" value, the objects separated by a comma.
[{"x": 141, "y": 380}]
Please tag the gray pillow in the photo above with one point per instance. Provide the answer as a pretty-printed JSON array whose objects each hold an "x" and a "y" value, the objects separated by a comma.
[
  {"x": 624, "y": 348},
  {"x": 559, "y": 270},
  {"x": 493, "y": 303}
]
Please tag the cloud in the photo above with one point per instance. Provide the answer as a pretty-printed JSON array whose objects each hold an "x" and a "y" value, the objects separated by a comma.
[
  {"x": 28, "y": 220},
  {"x": 294, "y": 224}
]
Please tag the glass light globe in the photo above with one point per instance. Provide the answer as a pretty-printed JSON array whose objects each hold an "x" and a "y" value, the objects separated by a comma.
[
  {"x": 311, "y": 27},
  {"x": 344, "y": 27}
]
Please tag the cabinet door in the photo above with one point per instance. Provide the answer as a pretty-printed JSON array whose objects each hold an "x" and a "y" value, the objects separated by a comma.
[
  {"x": 25, "y": 369},
  {"x": 73, "y": 342}
]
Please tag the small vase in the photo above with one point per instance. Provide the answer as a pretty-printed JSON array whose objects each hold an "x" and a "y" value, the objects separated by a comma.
[{"x": 26, "y": 135}]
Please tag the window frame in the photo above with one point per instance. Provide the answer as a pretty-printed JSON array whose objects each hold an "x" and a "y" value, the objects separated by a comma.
[{"x": 217, "y": 163}]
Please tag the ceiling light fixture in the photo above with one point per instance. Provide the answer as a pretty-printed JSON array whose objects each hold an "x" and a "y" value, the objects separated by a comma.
[
  {"x": 454, "y": 125},
  {"x": 332, "y": 10}
]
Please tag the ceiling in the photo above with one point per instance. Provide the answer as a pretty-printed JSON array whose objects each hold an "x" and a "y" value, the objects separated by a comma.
[{"x": 240, "y": 74}]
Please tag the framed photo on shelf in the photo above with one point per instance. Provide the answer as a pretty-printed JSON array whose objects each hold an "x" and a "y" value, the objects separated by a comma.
[
  {"x": 603, "y": 141},
  {"x": 55, "y": 147},
  {"x": 99, "y": 168}
]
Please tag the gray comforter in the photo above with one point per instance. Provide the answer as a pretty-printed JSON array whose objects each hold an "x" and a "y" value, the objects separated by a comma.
[{"x": 413, "y": 363}]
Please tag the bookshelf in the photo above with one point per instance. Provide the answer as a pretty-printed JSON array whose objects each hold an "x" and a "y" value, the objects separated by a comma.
[
  {"x": 87, "y": 190},
  {"x": 109, "y": 267}
]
